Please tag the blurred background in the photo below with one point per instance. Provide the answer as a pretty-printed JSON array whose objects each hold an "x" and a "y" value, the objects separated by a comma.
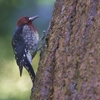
[{"x": 12, "y": 86}]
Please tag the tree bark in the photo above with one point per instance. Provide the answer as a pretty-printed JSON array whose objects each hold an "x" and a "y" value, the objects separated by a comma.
[{"x": 69, "y": 67}]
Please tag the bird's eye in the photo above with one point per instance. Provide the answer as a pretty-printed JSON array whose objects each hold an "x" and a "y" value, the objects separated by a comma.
[{"x": 27, "y": 18}]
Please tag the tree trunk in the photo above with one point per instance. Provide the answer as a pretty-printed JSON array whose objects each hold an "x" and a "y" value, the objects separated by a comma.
[{"x": 69, "y": 67}]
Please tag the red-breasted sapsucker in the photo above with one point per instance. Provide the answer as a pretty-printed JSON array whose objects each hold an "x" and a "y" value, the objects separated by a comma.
[{"x": 25, "y": 44}]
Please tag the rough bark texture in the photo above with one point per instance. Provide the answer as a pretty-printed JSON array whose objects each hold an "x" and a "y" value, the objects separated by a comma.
[{"x": 69, "y": 67}]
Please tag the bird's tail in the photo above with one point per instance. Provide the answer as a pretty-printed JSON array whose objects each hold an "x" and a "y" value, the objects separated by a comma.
[
  {"x": 30, "y": 70},
  {"x": 20, "y": 69},
  {"x": 28, "y": 67}
]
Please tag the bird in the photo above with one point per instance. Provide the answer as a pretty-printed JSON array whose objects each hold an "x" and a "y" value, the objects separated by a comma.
[{"x": 24, "y": 42}]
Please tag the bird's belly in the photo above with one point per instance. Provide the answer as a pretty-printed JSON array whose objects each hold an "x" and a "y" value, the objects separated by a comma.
[
  {"x": 31, "y": 39},
  {"x": 31, "y": 43}
]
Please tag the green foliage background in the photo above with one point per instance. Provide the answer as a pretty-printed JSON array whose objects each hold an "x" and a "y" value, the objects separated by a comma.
[{"x": 12, "y": 86}]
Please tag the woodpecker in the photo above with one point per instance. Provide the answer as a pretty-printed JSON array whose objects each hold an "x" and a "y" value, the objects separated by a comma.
[{"x": 25, "y": 41}]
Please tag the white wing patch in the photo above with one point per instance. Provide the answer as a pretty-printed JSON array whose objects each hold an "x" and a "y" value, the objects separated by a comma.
[{"x": 29, "y": 57}]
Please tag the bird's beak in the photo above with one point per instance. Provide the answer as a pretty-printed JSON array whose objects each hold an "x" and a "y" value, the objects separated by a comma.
[{"x": 33, "y": 18}]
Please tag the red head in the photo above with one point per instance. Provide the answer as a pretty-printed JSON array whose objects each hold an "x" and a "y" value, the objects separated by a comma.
[{"x": 26, "y": 20}]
